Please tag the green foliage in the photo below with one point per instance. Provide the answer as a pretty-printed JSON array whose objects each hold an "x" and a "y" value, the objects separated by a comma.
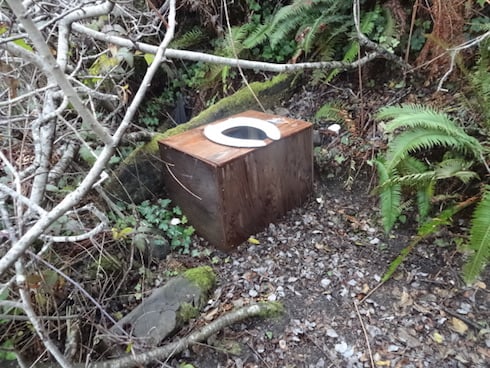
[
  {"x": 479, "y": 243},
  {"x": 7, "y": 346},
  {"x": 480, "y": 82},
  {"x": 160, "y": 215},
  {"x": 390, "y": 195},
  {"x": 190, "y": 38},
  {"x": 377, "y": 24},
  {"x": 418, "y": 130},
  {"x": 170, "y": 220},
  {"x": 330, "y": 111},
  {"x": 314, "y": 25},
  {"x": 424, "y": 129},
  {"x": 428, "y": 228}
]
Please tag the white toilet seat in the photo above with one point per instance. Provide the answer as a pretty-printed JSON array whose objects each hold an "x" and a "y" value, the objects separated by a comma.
[{"x": 214, "y": 132}]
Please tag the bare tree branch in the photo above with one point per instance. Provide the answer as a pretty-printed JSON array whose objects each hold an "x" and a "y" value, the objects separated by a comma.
[
  {"x": 74, "y": 197},
  {"x": 207, "y": 58},
  {"x": 65, "y": 24},
  {"x": 33, "y": 318},
  {"x": 54, "y": 72}
]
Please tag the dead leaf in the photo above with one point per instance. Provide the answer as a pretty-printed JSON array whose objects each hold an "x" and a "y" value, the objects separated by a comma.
[
  {"x": 211, "y": 314},
  {"x": 437, "y": 337},
  {"x": 459, "y": 326},
  {"x": 480, "y": 285}
]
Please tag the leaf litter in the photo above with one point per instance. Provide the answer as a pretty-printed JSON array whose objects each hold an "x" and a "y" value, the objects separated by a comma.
[{"x": 318, "y": 261}]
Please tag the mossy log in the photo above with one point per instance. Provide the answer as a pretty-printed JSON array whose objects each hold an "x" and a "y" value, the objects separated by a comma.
[{"x": 140, "y": 176}]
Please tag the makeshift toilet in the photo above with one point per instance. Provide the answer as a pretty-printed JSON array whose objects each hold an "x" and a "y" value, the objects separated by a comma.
[{"x": 232, "y": 177}]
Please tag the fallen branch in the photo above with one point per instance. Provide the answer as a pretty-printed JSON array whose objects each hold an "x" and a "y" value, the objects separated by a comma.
[{"x": 169, "y": 350}]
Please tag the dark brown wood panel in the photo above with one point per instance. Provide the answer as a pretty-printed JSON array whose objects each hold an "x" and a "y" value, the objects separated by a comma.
[{"x": 231, "y": 193}]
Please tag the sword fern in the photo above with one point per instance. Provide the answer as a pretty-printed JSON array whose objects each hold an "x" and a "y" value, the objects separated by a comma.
[{"x": 417, "y": 130}]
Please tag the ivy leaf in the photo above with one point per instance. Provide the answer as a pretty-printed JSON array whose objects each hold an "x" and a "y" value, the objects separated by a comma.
[
  {"x": 149, "y": 58},
  {"x": 22, "y": 43}
]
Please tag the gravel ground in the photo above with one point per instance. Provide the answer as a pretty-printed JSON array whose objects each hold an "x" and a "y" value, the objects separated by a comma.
[{"x": 321, "y": 261}]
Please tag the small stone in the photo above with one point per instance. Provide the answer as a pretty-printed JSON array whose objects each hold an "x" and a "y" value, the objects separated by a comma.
[
  {"x": 352, "y": 282},
  {"x": 325, "y": 282},
  {"x": 332, "y": 333},
  {"x": 393, "y": 348},
  {"x": 253, "y": 293},
  {"x": 374, "y": 241}
]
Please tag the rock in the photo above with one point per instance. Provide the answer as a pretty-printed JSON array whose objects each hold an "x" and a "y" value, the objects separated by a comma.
[
  {"x": 151, "y": 242},
  {"x": 168, "y": 307},
  {"x": 140, "y": 176}
]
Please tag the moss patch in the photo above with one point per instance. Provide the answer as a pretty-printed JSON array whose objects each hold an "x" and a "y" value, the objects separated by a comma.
[
  {"x": 274, "y": 309},
  {"x": 204, "y": 277},
  {"x": 187, "y": 311}
]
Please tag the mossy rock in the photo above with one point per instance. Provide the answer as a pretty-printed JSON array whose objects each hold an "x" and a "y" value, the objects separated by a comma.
[
  {"x": 170, "y": 306},
  {"x": 140, "y": 176}
]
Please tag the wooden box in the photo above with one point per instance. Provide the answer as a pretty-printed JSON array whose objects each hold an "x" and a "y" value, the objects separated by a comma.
[{"x": 230, "y": 193}]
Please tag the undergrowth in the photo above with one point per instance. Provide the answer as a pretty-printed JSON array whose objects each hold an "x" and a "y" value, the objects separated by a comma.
[
  {"x": 167, "y": 225},
  {"x": 410, "y": 168}
]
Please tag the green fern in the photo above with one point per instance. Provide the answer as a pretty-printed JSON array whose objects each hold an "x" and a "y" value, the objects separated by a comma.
[
  {"x": 190, "y": 38},
  {"x": 425, "y": 129},
  {"x": 368, "y": 23},
  {"x": 313, "y": 24},
  {"x": 390, "y": 196},
  {"x": 480, "y": 81},
  {"x": 330, "y": 111},
  {"x": 421, "y": 129},
  {"x": 479, "y": 239}
]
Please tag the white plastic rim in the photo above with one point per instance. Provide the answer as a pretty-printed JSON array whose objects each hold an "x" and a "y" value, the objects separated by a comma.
[{"x": 214, "y": 132}]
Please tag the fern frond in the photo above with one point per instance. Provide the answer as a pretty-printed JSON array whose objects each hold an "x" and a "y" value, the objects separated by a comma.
[
  {"x": 190, "y": 38},
  {"x": 455, "y": 167},
  {"x": 416, "y": 116},
  {"x": 257, "y": 36},
  {"x": 330, "y": 111},
  {"x": 368, "y": 20},
  {"x": 479, "y": 239},
  {"x": 424, "y": 197},
  {"x": 389, "y": 28},
  {"x": 412, "y": 165},
  {"x": 480, "y": 81},
  {"x": 390, "y": 196},
  {"x": 415, "y": 180},
  {"x": 287, "y": 19},
  {"x": 422, "y": 139}
]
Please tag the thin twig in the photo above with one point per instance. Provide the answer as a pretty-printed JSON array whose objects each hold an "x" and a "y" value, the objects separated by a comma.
[
  {"x": 34, "y": 319},
  {"x": 80, "y": 288},
  {"x": 365, "y": 335},
  {"x": 453, "y": 52},
  {"x": 371, "y": 292},
  {"x": 468, "y": 321},
  {"x": 178, "y": 346},
  {"x": 240, "y": 70}
]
